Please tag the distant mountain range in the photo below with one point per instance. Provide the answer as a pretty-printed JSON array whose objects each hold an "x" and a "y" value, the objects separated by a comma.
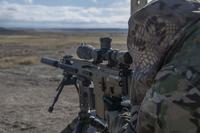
[{"x": 10, "y": 31}]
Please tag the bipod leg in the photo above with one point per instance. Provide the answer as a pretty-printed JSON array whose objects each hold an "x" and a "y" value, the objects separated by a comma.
[{"x": 59, "y": 90}]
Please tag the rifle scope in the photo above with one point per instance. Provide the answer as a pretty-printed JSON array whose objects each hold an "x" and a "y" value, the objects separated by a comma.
[{"x": 105, "y": 53}]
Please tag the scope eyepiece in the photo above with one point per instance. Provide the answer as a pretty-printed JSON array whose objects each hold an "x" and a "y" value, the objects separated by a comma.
[{"x": 121, "y": 57}]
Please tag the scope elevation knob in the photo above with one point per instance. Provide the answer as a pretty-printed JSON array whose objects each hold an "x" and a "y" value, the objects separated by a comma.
[{"x": 105, "y": 43}]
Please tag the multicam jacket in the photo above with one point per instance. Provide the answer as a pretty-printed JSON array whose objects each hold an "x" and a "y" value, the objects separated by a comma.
[{"x": 172, "y": 105}]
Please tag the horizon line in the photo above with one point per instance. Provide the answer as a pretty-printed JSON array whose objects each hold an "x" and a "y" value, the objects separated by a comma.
[{"x": 62, "y": 28}]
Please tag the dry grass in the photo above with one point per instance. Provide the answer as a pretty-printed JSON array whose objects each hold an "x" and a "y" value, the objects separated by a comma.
[
  {"x": 27, "y": 49},
  {"x": 58, "y": 41},
  {"x": 10, "y": 62}
]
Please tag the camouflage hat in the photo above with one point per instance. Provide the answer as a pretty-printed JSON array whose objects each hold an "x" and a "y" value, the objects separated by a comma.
[{"x": 151, "y": 33}]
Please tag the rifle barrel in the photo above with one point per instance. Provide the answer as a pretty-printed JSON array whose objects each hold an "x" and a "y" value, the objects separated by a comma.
[
  {"x": 51, "y": 62},
  {"x": 55, "y": 63}
]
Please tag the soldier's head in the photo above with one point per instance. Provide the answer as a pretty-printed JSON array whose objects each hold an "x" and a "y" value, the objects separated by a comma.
[
  {"x": 151, "y": 33},
  {"x": 152, "y": 30}
]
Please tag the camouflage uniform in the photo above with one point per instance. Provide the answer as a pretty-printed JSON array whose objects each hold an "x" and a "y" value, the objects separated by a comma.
[
  {"x": 173, "y": 102},
  {"x": 164, "y": 42}
]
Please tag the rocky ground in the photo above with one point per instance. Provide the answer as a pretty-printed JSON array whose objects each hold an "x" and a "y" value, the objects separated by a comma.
[{"x": 27, "y": 87}]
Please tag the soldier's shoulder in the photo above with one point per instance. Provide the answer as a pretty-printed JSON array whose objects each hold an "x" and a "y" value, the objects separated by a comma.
[{"x": 172, "y": 104}]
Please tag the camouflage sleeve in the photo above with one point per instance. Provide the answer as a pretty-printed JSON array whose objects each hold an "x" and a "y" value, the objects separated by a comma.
[{"x": 172, "y": 105}]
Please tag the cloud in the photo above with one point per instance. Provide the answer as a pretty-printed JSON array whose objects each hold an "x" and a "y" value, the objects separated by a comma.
[
  {"x": 115, "y": 16},
  {"x": 13, "y": 1},
  {"x": 95, "y": 1},
  {"x": 28, "y": 1}
]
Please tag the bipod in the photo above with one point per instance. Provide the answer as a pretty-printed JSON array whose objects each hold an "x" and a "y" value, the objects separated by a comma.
[{"x": 67, "y": 80}]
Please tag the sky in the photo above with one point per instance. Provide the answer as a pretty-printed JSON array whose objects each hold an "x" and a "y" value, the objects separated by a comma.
[{"x": 64, "y": 13}]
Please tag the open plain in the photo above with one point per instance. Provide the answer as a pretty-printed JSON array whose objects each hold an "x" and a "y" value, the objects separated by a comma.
[{"x": 27, "y": 87}]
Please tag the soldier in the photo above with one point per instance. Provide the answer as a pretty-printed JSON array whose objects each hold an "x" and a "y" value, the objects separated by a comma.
[{"x": 164, "y": 42}]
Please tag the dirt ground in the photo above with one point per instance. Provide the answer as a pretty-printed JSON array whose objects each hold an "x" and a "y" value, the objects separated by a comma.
[{"x": 27, "y": 87}]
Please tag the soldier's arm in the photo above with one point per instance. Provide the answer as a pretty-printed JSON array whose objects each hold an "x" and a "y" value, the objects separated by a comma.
[{"x": 173, "y": 102}]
